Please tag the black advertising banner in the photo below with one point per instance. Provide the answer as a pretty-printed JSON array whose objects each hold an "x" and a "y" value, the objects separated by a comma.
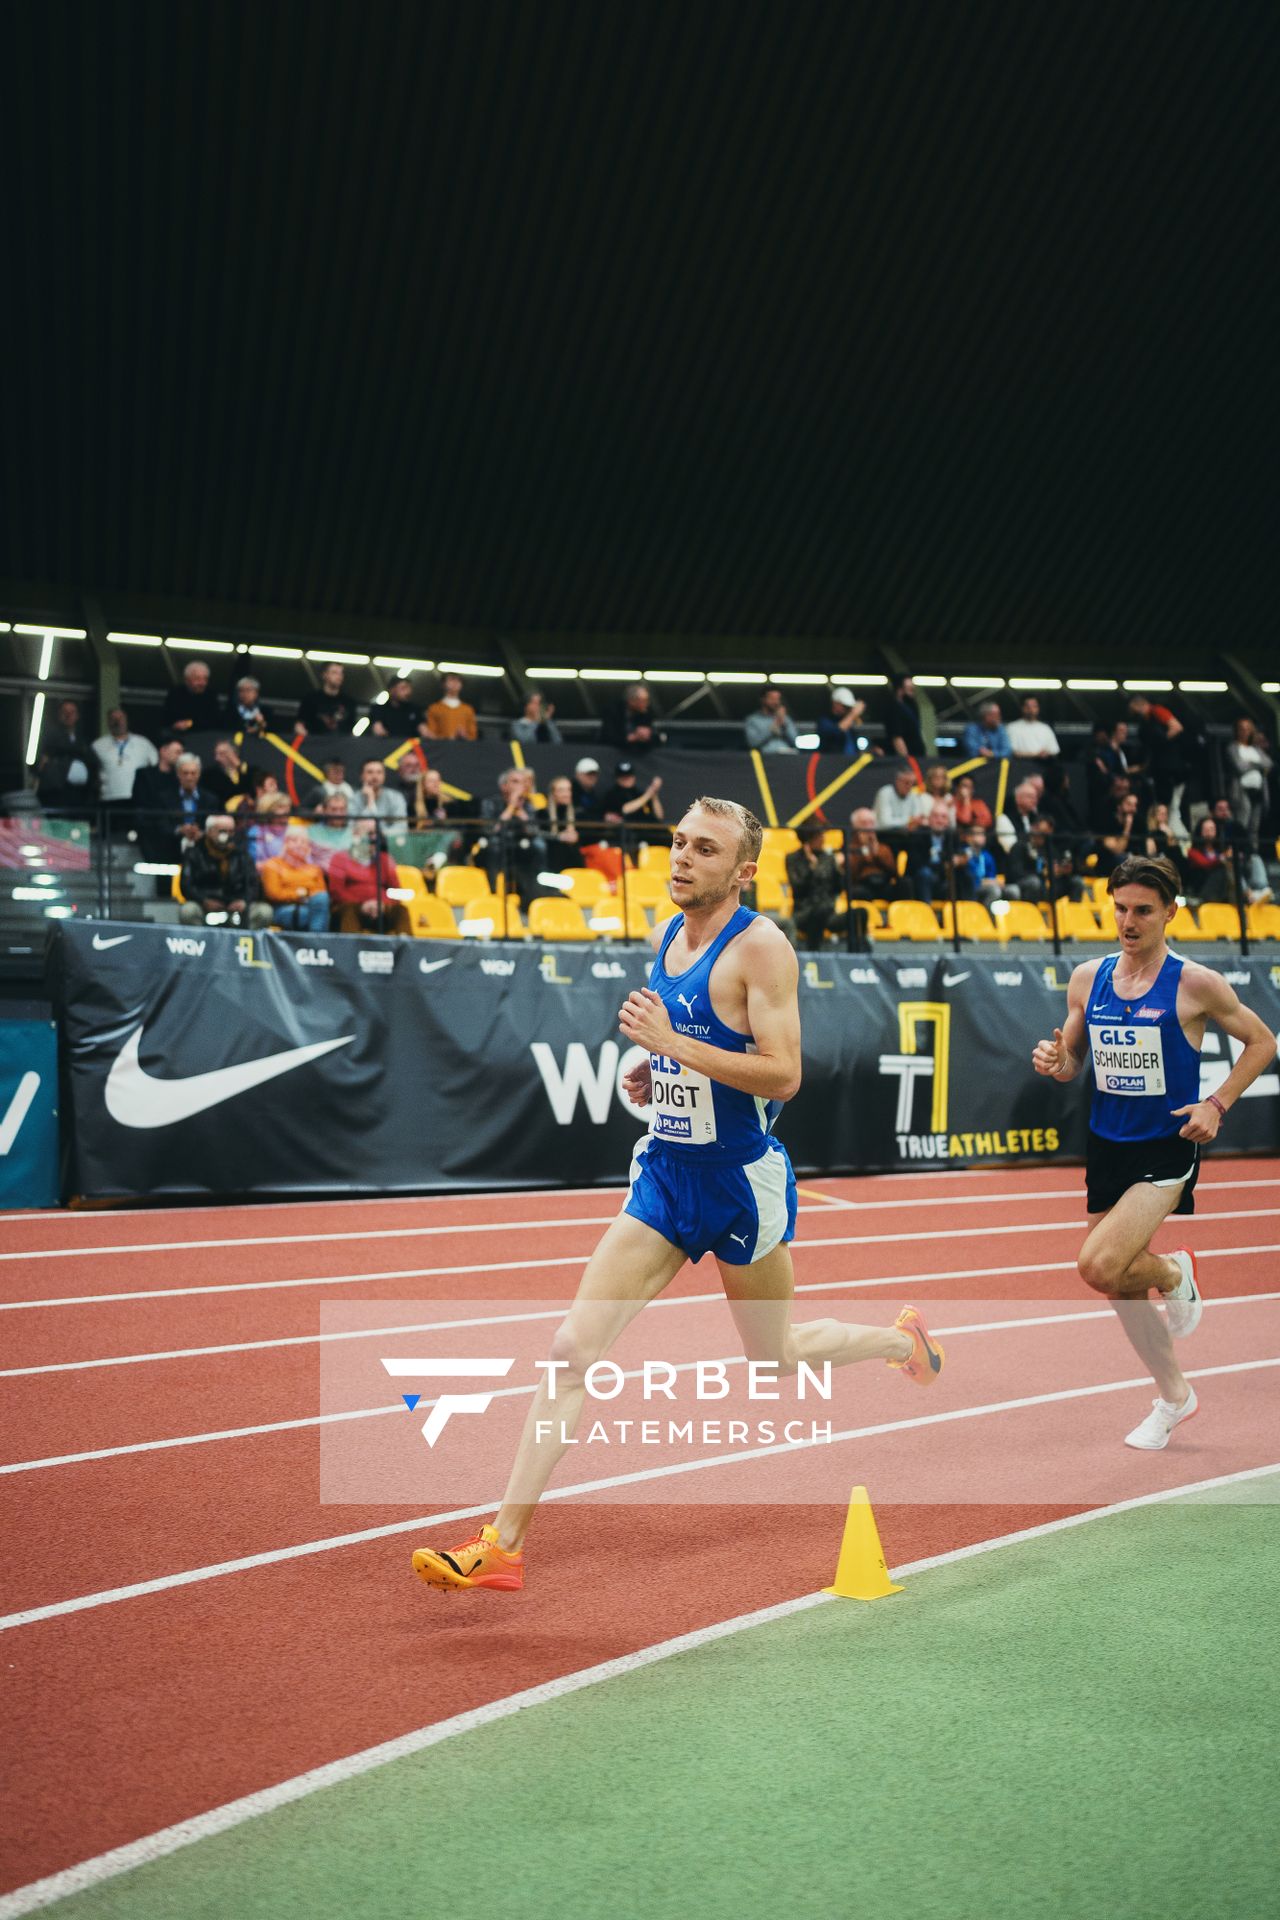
[
  {"x": 776, "y": 786},
  {"x": 208, "y": 1061}
]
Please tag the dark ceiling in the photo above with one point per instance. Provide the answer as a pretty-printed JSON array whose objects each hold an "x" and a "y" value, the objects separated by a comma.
[{"x": 950, "y": 326}]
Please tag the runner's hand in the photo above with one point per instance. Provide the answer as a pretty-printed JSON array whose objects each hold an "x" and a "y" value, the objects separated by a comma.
[
  {"x": 1051, "y": 1056},
  {"x": 637, "y": 1084},
  {"x": 1202, "y": 1123},
  {"x": 645, "y": 1021}
]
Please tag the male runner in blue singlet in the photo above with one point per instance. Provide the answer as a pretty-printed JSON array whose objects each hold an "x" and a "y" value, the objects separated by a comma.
[
  {"x": 1139, "y": 1017},
  {"x": 720, "y": 1021}
]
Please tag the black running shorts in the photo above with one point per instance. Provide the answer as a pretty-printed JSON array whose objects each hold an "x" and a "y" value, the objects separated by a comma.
[{"x": 1113, "y": 1166}]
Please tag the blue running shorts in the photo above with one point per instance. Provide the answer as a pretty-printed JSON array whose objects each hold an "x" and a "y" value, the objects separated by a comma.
[{"x": 737, "y": 1213}]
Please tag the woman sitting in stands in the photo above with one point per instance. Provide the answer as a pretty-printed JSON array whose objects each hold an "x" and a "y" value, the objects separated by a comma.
[{"x": 1210, "y": 867}]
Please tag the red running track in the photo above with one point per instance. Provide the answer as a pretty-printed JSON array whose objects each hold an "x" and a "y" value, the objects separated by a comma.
[{"x": 165, "y": 1704}]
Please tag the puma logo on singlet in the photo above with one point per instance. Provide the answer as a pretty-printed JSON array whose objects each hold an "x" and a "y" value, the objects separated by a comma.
[{"x": 686, "y": 1004}]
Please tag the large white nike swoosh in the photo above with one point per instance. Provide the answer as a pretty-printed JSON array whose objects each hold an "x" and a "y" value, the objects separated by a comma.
[
  {"x": 134, "y": 1099},
  {"x": 433, "y": 966},
  {"x": 118, "y": 941}
]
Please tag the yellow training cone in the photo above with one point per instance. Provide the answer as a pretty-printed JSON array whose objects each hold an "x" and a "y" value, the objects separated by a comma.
[{"x": 861, "y": 1573}]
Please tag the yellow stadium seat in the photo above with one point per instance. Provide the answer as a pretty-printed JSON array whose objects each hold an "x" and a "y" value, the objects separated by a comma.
[
  {"x": 654, "y": 859},
  {"x": 558, "y": 920},
  {"x": 457, "y": 885},
  {"x": 1219, "y": 922},
  {"x": 974, "y": 921},
  {"x": 586, "y": 885},
  {"x": 606, "y": 920},
  {"x": 491, "y": 916},
  {"x": 1022, "y": 921},
  {"x": 644, "y": 889},
  {"x": 664, "y": 910},
  {"x": 911, "y": 920},
  {"x": 772, "y": 895},
  {"x": 1076, "y": 921},
  {"x": 783, "y": 840},
  {"x": 1183, "y": 927},
  {"x": 432, "y": 919},
  {"x": 1264, "y": 922},
  {"x": 833, "y": 839}
]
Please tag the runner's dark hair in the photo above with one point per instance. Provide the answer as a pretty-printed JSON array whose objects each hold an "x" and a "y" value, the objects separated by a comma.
[{"x": 1147, "y": 870}]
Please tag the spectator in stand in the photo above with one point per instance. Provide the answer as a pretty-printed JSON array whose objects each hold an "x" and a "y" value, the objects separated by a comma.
[
  {"x": 1030, "y": 737},
  {"x": 936, "y": 793},
  {"x": 813, "y": 875},
  {"x": 195, "y": 802},
  {"x": 1037, "y": 870},
  {"x": 536, "y": 726},
  {"x": 1161, "y": 752},
  {"x": 770, "y": 729},
  {"x": 121, "y": 757},
  {"x": 838, "y": 730},
  {"x": 588, "y": 795},
  {"x": 559, "y": 825},
  {"x": 219, "y": 877},
  {"x": 632, "y": 725},
  {"x": 902, "y": 720},
  {"x": 358, "y": 886},
  {"x": 451, "y": 717},
  {"x": 245, "y": 711},
  {"x": 268, "y": 828},
  {"x": 328, "y": 708},
  {"x": 229, "y": 777},
  {"x": 376, "y": 798},
  {"x": 1123, "y": 836},
  {"x": 970, "y": 811},
  {"x": 982, "y": 864},
  {"x": 870, "y": 867},
  {"x": 1210, "y": 867},
  {"x": 261, "y": 781},
  {"x": 332, "y": 832},
  {"x": 513, "y": 844},
  {"x": 193, "y": 706},
  {"x": 1103, "y": 812},
  {"x": 1231, "y": 834},
  {"x": 985, "y": 738},
  {"x": 399, "y": 717},
  {"x": 1015, "y": 827},
  {"x": 1058, "y": 799},
  {"x": 628, "y": 804},
  {"x": 67, "y": 768},
  {"x": 894, "y": 807},
  {"x": 1158, "y": 842},
  {"x": 156, "y": 797},
  {"x": 932, "y": 855},
  {"x": 1250, "y": 773},
  {"x": 335, "y": 781},
  {"x": 432, "y": 814},
  {"x": 295, "y": 887}
]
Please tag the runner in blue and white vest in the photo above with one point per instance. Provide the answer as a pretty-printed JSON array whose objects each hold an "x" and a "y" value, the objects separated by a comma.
[
  {"x": 1137, "y": 1018},
  {"x": 720, "y": 1023}
]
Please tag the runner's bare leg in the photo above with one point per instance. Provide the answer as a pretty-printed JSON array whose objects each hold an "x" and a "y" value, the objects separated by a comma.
[{"x": 1116, "y": 1261}]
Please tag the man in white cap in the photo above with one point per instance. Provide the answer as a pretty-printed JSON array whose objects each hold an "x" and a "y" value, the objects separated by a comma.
[
  {"x": 837, "y": 730},
  {"x": 587, "y": 797}
]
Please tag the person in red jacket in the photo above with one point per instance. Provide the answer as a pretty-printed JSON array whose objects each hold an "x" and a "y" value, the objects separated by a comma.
[{"x": 354, "y": 886}]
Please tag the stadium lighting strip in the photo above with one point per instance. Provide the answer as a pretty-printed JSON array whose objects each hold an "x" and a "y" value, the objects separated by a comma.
[
  {"x": 202, "y": 646},
  {"x": 1203, "y": 686},
  {"x": 276, "y": 653},
  {"x": 1271, "y": 686},
  {"x": 1035, "y": 686},
  {"x": 135, "y": 640},
  {"x": 1148, "y": 686},
  {"x": 472, "y": 670},
  {"x": 339, "y": 659},
  {"x": 398, "y": 663},
  {"x": 59, "y": 633},
  {"x": 1093, "y": 686},
  {"x": 37, "y": 722}
]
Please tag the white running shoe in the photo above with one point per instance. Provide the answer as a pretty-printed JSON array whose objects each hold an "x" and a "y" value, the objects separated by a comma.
[
  {"x": 1183, "y": 1307},
  {"x": 1153, "y": 1434}
]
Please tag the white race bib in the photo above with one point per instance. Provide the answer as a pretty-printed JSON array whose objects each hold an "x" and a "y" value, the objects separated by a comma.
[
  {"x": 1128, "y": 1060},
  {"x": 684, "y": 1110}
]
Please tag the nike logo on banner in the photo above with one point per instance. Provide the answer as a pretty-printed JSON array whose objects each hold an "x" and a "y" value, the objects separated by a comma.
[
  {"x": 101, "y": 945},
  {"x": 19, "y": 1106},
  {"x": 433, "y": 966},
  {"x": 135, "y": 1099},
  {"x": 954, "y": 979}
]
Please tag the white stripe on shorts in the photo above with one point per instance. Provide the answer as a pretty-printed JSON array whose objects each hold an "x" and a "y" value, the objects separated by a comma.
[{"x": 767, "y": 1177}]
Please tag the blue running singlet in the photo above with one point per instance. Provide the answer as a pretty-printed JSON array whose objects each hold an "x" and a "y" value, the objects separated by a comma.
[
  {"x": 1143, "y": 1064},
  {"x": 691, "y": 1113}
]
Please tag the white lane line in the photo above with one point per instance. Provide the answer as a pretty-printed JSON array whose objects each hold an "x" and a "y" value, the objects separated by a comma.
[
  {"x": 550, "y": 1313},
  {"x": 1203, "y": 1187},
  {"x": 455, "y": 1197},
  {"x": 812, "y": 1240},
  {"x": 165, "y": 1583},
  {"x": 508, "y": 1393},
  {"x": 584, "y": 1220},
  {"x": 234, "y": 1813}
]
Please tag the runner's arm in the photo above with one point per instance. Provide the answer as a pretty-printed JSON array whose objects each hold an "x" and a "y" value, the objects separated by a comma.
[
  {"x": 1213, "y": 996},
  {"x": 772, "y": 1071},
  {"x": 1062, "y": 1057}
]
